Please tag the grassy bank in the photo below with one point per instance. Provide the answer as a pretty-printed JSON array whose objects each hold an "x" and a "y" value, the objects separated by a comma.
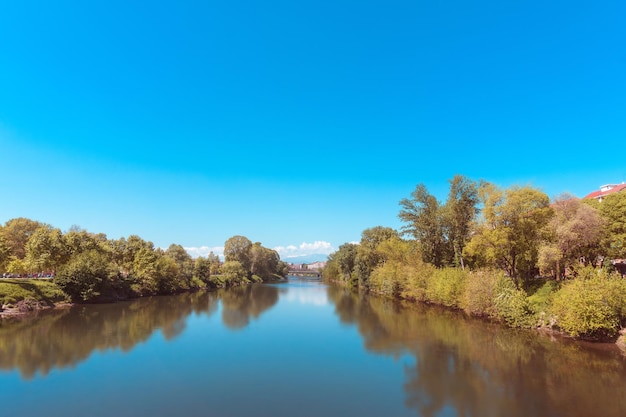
[{"x": 13, "y": 291}]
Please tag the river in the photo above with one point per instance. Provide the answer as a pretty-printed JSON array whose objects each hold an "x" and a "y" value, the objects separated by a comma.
[{"x": 295, "y": 349}]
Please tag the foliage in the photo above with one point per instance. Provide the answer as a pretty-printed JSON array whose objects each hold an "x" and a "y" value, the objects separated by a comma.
[
  {"x": 16, "y": 233},
  {"x": 233, "y": 273},
  {"x": 481, "y": 290},
  {"x": 446, "y": 287},
  {"x": 238, "y": 248},
  {"x": 572, "y": 234},
  {"x": 592, "y": 305},
  {"x": 509, "y": 234},
  {"x": 85, "y": 276},
  {"x": 512, "y": 306},
  {"x": 459, "y": 213},
  {"x": 423, "y": 217},
  {"x": 613, "y": 211}
]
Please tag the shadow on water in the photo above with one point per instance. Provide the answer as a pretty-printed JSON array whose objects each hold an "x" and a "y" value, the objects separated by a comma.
[{"x": 467, "y": 367}]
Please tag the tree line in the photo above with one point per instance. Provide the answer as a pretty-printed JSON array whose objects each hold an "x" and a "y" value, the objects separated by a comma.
[
  {"x": 511, "y": 254},
  {"x": 90, "y": 267}
]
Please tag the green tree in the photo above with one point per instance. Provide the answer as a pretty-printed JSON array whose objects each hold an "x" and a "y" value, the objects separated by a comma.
[
  {"x": 214, "y": 262},
  {"x": 238, "y": 248},
  {"x": 459, "y": 214},
  {"x": 423, "y": 217},
  {"x": 264, "y": 262},
  {"x": 234, "y": 273},
  {"x": 183, "y": 260},
  {"x": 16, "y": 234},
  {"x": 509, "y": 234},
  {"x": 46, "y": 250},
  {"x": 5, "y": 252},
  {"x": 613, "y": 210},
  {"x": 85, "y": 276},
  {"x": 144, "y": 276},
  {"x": 202, "y": 269},
  {"x": 367, "y": 256}
]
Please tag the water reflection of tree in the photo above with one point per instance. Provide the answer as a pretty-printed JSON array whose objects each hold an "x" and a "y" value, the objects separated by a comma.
[
  {"x": 62, "y": 338},
  {"x": 242, "y": 303},
  {"x": 482, "y": 369}
]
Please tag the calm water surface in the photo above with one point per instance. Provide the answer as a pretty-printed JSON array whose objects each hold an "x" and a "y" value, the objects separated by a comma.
[{"x": 295, "y": 349}]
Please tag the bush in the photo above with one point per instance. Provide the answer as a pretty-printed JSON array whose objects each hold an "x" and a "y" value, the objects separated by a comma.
[
  {"x": 480, "y": 292},
  {"x": 446, "y": 287},
  {"x": 512, "y": 305},
  {"x": 593, "y": 305}
]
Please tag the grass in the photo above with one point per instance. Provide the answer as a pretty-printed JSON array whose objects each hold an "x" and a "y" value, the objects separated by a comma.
[{"x": 14, "y": 290}]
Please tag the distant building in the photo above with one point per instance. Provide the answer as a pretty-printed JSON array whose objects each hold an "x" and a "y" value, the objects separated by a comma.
[
  {"x": 316, "y": 266},
  {"x": 606, "y": 190}
]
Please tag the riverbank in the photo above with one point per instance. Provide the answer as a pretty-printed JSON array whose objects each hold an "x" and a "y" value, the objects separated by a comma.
[
  {"x": 491, "y": 297},
  {"x": 25, "y": 296}
]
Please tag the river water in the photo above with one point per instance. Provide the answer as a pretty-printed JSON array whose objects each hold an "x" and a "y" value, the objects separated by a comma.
[{"x": 295, "y": 349}]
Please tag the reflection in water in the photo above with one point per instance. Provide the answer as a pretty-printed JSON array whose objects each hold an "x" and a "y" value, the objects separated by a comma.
[
  {"x": 447, "y": 363},
  {"x": 242, "y": 303},
  {"x": 482, "y": 369},
  {"x": 65, "y": 337},
  {"x": 62, "y": 338}
]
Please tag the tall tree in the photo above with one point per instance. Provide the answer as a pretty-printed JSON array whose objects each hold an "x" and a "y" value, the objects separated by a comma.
[
  {"x": 423, "y": 217},
  {"x": 237, "y": 248},
  {"x": 572, "y": 235},
  {"x": 46, "y": 250},
  {"x": 367, "y": 257},
  {"x": 459, "y": 213},
  {"x": 509, "y": 234},
  {"x": 613, "y": 210},
  {"x": 17, "y": 232}
]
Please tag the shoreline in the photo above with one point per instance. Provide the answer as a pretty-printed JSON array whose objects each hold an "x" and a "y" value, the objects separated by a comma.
[{"x": 620, "y": 343}]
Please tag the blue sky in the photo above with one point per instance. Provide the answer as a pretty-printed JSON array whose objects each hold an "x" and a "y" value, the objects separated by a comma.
[{"x": 296, "y": 122}]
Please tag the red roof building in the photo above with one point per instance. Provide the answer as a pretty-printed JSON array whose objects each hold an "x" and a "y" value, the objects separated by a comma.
[{"x": 606, "y": 190}]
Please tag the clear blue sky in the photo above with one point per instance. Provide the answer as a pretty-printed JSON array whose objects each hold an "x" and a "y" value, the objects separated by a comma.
[{"x": 296, "y": 122}]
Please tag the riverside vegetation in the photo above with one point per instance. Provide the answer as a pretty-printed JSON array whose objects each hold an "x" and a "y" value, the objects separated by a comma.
[
  {"x": 510, "y": 255},
  {"x": 88, "y": 267}
]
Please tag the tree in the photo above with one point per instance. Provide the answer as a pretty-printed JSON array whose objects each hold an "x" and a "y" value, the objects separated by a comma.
[
  {"x": 214, "y": 262},
  {"x": 264, "y": 261},
  {"x": 5, "y": 252},
  {"x": 85, "y": 276},
  {"x": 423, "y": 217},
  {"x": 46, "y": 250},
  {"x": 613, "y": 210},
  {"x": 202, "y": 269},
  {"x": 234, "y": 273},
  {"x": 183, "y": 260},
  {"x": 123, "y": 251},
  {"x": 17, "y": 232},
  {"x": 459, "y": 213},
  {"x": 572, "y": 235},
  {"x": 345, "y": 259},
  {"x": 509, "y": 234},
  {"x": 237, "y": 248},
  {"x": 367, "y": 256}
]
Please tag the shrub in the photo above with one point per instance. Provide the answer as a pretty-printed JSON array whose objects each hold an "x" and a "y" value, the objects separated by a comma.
[
  {"x": 480, "y": 292},
  {"x": 593, "y": 305},
  {"x": 512, "y": 305},
  {"x": 446, "y": 286}
]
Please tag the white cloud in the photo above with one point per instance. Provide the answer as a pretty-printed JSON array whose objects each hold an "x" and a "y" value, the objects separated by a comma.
[
  {"x": 205, "y": 250},
  {"x": 319, "y": 247}
]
